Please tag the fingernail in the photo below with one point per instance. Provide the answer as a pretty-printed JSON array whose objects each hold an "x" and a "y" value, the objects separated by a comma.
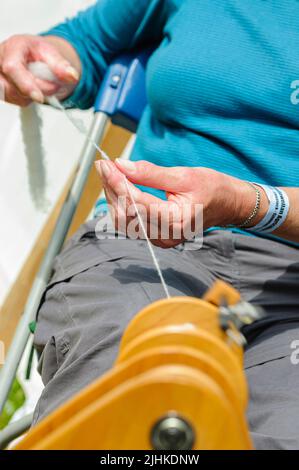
[
  {"x": 72, "y": 73},
  {"x": 105, "y": 169},
  {"x": 37, "y": 96},
  {"x": 126, "y": 164}
]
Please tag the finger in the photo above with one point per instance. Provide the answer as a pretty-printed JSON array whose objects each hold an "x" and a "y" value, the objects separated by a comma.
[
  {"x": 122, "y": 187},
  {"x": 120, "y": 194},
  {"x": 47, "y": 88},
  {"x": 60, "y": 67},
  {"x": 118, "y": 205},
  {"x": 113, "y": 177},
  {"x": 110, "y": 195},
  {"x": 162, "y": 233},
  {"x": 120, "y": 210},
  {"x": 161, "y": 216},
  {"x": 112, "y": 205},
  {"x": 10, "y": 94},
  {"x": 175, "y": 179},
  {"x": 166, "y": 244},
  {"x": 14, "y": 68},
  {"x": 121, "y": 204},
  {"x": 23, "y": 81},
  {"x": 46, "y": 79},
  {"x": 111, "y": 199},
  {"x": 164, "y": 226}
]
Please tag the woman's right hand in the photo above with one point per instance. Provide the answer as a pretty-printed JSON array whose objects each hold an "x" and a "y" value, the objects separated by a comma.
[{"x": 19, "y": 86}]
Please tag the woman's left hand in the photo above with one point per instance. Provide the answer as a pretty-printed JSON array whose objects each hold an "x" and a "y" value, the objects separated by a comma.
[{"x": 197, "y": 198}]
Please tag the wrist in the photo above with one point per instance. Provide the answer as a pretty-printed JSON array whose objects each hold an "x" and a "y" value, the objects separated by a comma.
[{"x": 246, "y": 199}]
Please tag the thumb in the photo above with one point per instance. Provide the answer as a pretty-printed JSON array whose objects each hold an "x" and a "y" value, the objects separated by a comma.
[
  {"x": 59, "y": 66},
  {"x": 159, "y": 177}
]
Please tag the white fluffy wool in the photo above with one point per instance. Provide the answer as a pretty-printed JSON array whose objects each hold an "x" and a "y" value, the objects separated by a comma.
[{"x": 31, "y": 125}]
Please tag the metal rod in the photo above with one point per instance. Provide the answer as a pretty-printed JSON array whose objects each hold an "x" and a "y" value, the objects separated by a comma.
[
  {"x": 14, "y": 430},
  {"x": 12, "y": 360}
]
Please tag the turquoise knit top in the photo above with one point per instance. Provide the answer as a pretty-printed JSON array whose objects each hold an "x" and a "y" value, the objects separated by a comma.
[{"x": 221, "y": 85}]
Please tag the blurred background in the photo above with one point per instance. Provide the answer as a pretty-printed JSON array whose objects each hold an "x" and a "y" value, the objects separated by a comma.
[{"x": 22, "y": 220}]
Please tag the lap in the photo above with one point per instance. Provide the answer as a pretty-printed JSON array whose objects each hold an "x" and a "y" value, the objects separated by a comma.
[
  {"x": 99, "y": 285},
  {"x": 97, "y": 288},
  {"x": 272, "y": 370}
]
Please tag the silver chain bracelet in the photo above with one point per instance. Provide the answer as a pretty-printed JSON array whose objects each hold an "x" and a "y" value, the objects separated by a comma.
[
  {"x": 255, "y": 210},
  {"x": 256, "y": 207}
]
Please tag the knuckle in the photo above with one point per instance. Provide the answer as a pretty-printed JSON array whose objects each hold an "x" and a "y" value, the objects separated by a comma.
[
  {"x": 22, "y": 38},
  {"x": 8, "y": 67},
  {"x": 13, "y": 39}
]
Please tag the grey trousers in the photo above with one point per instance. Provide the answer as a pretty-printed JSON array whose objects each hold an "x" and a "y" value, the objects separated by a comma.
[{"x": 99, "y": 285}]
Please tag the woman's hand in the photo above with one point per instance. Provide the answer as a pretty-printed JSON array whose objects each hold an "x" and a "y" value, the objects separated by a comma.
[
  {"x": 194, "y": 195},
  {"x": 19, "y": 86}
]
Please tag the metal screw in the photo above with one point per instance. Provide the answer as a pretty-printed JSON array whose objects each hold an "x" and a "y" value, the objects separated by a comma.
[
  {"x": 172, "y": 433},
  {"x": 115, "y": 80}
]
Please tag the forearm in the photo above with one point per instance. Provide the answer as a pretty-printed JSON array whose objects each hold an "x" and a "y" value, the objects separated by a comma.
[
  {"x": 101, "y": 33},
  {"x": 290, "y": 228},
  {"x": 225, "y": 200}
]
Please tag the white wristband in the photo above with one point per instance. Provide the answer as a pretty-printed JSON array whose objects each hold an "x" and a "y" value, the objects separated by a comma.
[{"x": 277, "y": 212}]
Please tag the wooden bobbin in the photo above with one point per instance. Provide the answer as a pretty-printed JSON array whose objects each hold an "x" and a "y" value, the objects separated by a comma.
[{"x": 174, "y": 358}]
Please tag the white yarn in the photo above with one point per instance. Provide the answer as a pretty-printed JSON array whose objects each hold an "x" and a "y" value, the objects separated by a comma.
[
  {"x": 77, "y": 123},
  {"x": 150, "y": 246},
  {"x": 41, "y": 70},
  {"x": 31, "y": 125}
]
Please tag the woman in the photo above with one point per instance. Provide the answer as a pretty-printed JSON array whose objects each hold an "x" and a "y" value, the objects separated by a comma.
[{"x": 220, "y": 90}]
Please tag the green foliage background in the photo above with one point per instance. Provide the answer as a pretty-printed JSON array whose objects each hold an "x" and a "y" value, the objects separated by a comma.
[{"x": 15, "y": 400}]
